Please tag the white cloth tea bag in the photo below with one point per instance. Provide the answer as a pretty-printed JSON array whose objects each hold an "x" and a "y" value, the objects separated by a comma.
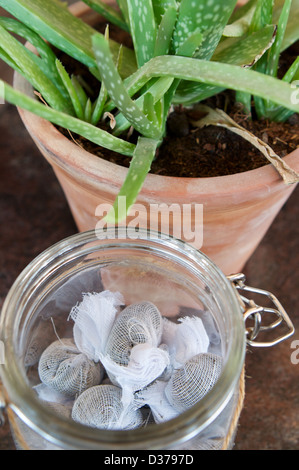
[
  {"x": 65, "y": 369},
  {"x": 189, "y": 384},
  {"x": 101, "y": 407},
  {"x": 136, "y": 324}
]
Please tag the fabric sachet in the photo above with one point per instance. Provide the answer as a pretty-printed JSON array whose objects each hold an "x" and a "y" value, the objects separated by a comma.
[{"x": 127, "y": 365}]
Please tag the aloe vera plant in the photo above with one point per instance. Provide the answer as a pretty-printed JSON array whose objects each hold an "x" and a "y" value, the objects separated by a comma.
[{"x": 184, "y": 52}]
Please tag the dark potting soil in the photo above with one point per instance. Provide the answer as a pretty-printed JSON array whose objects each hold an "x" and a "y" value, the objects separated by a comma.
[
  {"x": 211, "y": 151},
  {"x": 187, "y": 151}
]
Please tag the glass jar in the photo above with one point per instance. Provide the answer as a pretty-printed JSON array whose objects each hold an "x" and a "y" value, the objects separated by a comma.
[{"x": 142, "y": 266}]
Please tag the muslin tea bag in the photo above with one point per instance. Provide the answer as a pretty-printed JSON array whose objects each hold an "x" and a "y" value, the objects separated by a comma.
[
  {"x": 65, "y": 369},
  {"x": 101, "y": 407},
  {"x": 189, "y": 384},
  {"x": 138, "y": 323}
]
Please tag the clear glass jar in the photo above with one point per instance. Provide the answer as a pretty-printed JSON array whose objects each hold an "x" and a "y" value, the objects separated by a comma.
[{"x": 142, "y": 266}]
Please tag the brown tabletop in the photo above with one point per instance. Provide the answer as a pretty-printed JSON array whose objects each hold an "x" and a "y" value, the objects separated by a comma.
[{"x": 34, "y": 215}]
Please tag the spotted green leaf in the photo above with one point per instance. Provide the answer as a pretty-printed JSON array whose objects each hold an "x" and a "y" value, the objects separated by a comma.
[
  {"x": 247, "y": 50},
  {"x": 90, "y": 132},
  {"x": 293, "y": 72},
  {"x": 291, "y": 76},
  {"x": 165, "y": 31},
  {"x": 262, "y": 15},
  {"x": 117, "y": 90},
  {"x": 158, "y": 89},
  {"x": 240, "y": 21},
  {"x": 274, "y": 53},
  {"x": 292, "y": 31},
  {"x": 143, "y": 29},
  {"x": 218, "y": 74},
  {"x": 269, "y": 63},
  {"x": 123, "y": 5},
  {"x": 191, "y": 45},
  {"x": 45, "y": 58},
  {"x": 108, "y": 12},
  {"x": 52, "y": 21},
  {"x": 81, "y": 93},
  {"x": 206, "y": 16},
  {"x": 71, "y": 89},
  {"x": 243, "y": 52},
  {"x": 140, "y": 166},
  {"x": 32, "y": 72},
  {"x": 161, "y": 6}
]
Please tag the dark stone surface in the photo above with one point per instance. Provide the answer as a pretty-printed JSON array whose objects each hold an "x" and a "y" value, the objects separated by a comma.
[{"x": 34, "y": 215}]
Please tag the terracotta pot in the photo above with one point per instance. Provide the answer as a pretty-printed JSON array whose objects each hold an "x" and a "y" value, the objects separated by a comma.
[{"x": 237, "y": 209}]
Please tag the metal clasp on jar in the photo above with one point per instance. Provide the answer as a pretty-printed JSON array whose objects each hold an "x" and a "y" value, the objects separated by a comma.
[{"x": 257, "y": 314}]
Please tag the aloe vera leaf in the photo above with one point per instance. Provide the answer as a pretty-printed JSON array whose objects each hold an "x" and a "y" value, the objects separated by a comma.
[
  {"x": 274, "y": 53},
  {"x": 143, "y": 29},
  {"x": 236, "y": 51},
  {"x": 292, "y": 30},
  {"x": 47, "y": 58},
  {"x": 245, "y": 51},
  {"x": 82, "y": 96},
  {"x": 269, "y": 65},
  {"x": 55, "y": 23},
  {"x": 261, "y": 18},
  {"x": 242, "y": 11},
  {"x": 123, "y": 5},
  {"x": 160, "y": 7},
  {"x": 148, "y": 106},
  {"x": 191, "y": 45},
  {"x": 293, "y": 72},
  {"x": 108, "y": 12},
  {"x": 244, "y": 54},
  {"x": 206, "y": 16},
  {"x": 158, "y": 90},
  {"x": 88, "y": 111},
  {"x": 70, "y": 89},
  {"x": 153, "y": 111},
  {"x": 262, "y": 15},
  {"x": 117, "y": 90},
  {"x": 220, "y": 75},
  {"x": 90, "y": 132},
  {"x": 140, "y": 166},
  {"x": 164, "y": 33},
  {"x": 100, "y": 102},
  {"x": 239, "y": 23},
  {"x": 279, "y": 114},
  {"x": 263, "y": 37},
  {"x": 99, "y": 105},
  {"x": 8, "y": 60},
  {"x": 292, "y": 76},
  {"x": 159, "y": 114},
  {"x": 32, "y": 72},
  {"x": 245, "y": 100},
  {"x": 62, "y": 29}
]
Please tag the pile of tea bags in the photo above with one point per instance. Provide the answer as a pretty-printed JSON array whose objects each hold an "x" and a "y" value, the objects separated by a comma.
[{"x": 126, "y": 366}]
